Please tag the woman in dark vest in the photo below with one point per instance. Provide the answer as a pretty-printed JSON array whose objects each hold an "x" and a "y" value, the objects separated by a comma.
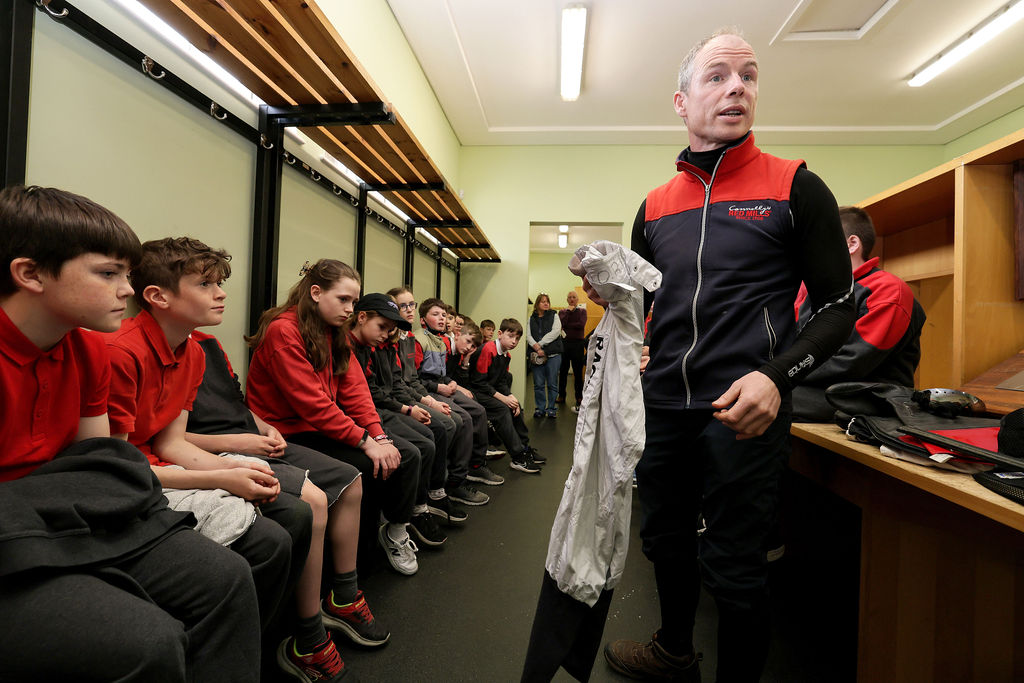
[{"x": 544, "y": 336}]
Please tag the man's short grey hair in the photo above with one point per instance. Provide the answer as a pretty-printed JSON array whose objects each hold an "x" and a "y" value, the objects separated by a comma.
[{"x": 686, "y": 68}]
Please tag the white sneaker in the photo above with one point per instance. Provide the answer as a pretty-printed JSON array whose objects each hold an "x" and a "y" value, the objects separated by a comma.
[{"x": 401, "y": 554}]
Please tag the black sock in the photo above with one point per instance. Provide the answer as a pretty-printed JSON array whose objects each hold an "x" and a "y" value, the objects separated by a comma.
[
  {"x": 345, "y": 588},
  {"x": 309, "y": 633}
]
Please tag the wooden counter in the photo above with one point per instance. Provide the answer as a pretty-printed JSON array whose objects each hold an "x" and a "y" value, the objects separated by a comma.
[{"x": 941, "y": 564}]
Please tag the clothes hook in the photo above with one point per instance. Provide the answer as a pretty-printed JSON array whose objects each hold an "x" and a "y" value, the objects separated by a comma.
[
  {"x": 56, "y": 15},
  {"x": 214, "y": 109},
  {"x": 147, "y": 68}
]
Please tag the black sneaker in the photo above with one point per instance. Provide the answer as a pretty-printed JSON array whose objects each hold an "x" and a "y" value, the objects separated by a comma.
[
  {"x": 537, "y": 457},
  {"x": 448, "y": 510},
  {"x": 484, "y": 475},
  {"x": 424, "y": 527},
  {"x": 524, "y": 463}
]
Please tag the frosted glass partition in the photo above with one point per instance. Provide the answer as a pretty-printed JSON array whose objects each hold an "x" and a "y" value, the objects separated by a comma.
[
  {"x": 424, "y": 272},
  {"x": 314, "y": 225},
  {"x": 448, "y": 285},
  {"x": 99, "y": 129},
  {"x": 384, "y": 253}
]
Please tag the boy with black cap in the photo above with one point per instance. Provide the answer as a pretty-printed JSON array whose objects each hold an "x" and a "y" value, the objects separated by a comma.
[{"x": 375, "y": 317}]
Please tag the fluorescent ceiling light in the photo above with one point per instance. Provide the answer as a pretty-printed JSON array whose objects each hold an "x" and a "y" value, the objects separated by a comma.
[
  {"x": 965, "y": 45},
  {"x": 574, "y": 30},
  {"x": 563, "y": 229},
  {"x": 563, "y": 240}
]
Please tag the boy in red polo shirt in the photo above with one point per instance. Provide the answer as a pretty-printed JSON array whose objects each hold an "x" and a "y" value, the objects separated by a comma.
[
  {"x": 156, "y": 370},
  {"x": 83, "y": 519}
]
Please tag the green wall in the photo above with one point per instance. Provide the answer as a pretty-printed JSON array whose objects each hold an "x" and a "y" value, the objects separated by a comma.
[
  {"x": 1004, "y": 125},
  {"x": 549, "y": 273}
]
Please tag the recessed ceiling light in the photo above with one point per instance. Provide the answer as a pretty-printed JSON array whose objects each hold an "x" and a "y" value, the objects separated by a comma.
[
  {"x": 563, "y": 229},
  {"x": 563, "y": 240},
  {"x": 969, "y": 42},
  {"x": 574, "y": 31}
]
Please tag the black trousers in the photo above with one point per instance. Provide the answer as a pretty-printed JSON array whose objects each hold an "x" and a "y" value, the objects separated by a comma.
[
  {"x": 511, "y": 428},
  {"x": 572, "y": 356},
  {"x": 183, "y": 610},
  {"x": 694, "y": 465},
  {"x": 409, "y": 433},
  {"x": 392, "y": 496},
  {"x": 478, "y": 419}
]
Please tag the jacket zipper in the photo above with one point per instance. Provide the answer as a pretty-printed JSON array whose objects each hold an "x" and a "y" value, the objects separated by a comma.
[
  {"x": 771, "y": 334},
  {"x": 700, "y": 269}
]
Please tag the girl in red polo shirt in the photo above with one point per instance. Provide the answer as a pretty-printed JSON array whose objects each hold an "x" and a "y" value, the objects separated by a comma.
[{"x": 304, "y": 381}]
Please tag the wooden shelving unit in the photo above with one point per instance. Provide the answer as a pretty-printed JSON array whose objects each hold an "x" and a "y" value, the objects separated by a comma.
[{"x": 949, "y": 234}]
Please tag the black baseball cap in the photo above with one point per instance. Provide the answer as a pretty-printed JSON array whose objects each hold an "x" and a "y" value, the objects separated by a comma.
[{"x": 384, "y": 305}]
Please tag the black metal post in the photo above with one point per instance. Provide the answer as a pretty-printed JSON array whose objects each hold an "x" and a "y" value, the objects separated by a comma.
[
  {"x": 361, "y": 230},
  {"x": 458, "y": 282},
  {"x": 437, "y": 272},
  {"x": 267, "y": 218},
  {"x": 410, "y": 254},
  {"x": 16, "y": 24}
]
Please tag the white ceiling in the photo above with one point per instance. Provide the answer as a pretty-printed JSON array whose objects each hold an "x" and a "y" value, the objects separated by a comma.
[
  {"x": 544, "y": 236},
  {"x": 831, "y": 71}
]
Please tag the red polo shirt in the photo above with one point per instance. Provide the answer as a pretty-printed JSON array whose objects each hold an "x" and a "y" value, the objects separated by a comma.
[
  {"x": 43, "y": 394},
  {"x": 151, "y": 383}
]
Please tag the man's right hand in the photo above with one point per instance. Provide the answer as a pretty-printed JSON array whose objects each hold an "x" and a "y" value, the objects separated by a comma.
[{"x": 592, "y": 293}]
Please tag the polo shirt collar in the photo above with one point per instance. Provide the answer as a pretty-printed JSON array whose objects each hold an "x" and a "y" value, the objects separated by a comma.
[
  {"x": 19, "y": 348},
  {"x": 154, "y": 334}
]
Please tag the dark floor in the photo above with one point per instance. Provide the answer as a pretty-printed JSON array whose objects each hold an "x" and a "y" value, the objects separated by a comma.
[{"x": 466, "y": 615}]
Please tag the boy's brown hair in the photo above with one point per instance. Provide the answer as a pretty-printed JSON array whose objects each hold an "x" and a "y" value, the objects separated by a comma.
[
  {"x": 511, "y": 325},
  {"x": 469, "y": 327},
  {"x": 165, "y": 261},
  {"x": 431, "y": 303},
  {"x": 52, "y": 226},
  {"x": 487, "y": 323}
]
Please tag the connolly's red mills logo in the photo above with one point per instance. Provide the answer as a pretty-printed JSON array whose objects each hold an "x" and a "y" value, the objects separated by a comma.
[{"x": 757, "y": 212}]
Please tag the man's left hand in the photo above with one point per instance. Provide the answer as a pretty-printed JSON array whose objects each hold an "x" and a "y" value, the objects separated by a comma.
[{"x": 749, "y": 406}]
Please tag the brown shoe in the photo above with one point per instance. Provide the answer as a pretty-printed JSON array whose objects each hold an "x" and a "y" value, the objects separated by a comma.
[{"x": 651, "y": 662}]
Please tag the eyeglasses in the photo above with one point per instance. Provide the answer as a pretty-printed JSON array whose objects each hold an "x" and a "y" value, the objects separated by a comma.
[{"x": 410, "y": 306}]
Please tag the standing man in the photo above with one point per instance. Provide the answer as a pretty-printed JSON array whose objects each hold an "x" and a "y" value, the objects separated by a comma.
[
  {"x": 733, "y": 234},
  {"x": 574, "y": 321}
]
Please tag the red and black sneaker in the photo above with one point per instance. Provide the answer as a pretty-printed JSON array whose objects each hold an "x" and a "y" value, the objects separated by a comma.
[
  {"x": 356, "y": 621},
  {"x": 324, "y": 664}
]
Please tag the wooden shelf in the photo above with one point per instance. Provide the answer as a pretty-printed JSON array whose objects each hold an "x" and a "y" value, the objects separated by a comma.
[
  {"x": 288, "y": 53},
  {"x": 949, "y": 233}
]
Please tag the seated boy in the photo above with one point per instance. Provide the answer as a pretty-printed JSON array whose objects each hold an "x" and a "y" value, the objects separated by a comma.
[
  {"x": 373, "y": 320},
  {"x": 492, "y": 388},
  {"x": 486, "y": 330},
  {"x": 135, "y": 594},
  {"x": 221, "y": 422},
  {"x": 433, "y": 370},
  {"x": 469, "y": 416},
  {"x": 466, "y": 344},
  {"x": 156, "y": 371}
]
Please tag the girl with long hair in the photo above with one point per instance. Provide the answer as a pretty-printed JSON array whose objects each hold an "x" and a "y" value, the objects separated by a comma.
[{"x": 303, "y": 381}]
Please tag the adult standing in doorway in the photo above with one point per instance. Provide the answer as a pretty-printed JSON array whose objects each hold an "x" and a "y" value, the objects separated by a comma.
[
  {"x": 574, "y": 322},
  {"x": 733, "y": 233},
  {"x": 544, "y": 336}
]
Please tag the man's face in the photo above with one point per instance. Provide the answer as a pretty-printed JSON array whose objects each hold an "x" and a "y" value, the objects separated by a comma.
[
  {"x": 464, "y": 344},
  {"x": 719, "y": 106},
  {"x": 90, "y": 291},
  {"x": 572, "y": 299},
  {"x": 435, "y": 319},
  {"x": 406, "y": 306},
  {"x": 199, "y": 300},
  {"x": 508, "y": 340}
]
